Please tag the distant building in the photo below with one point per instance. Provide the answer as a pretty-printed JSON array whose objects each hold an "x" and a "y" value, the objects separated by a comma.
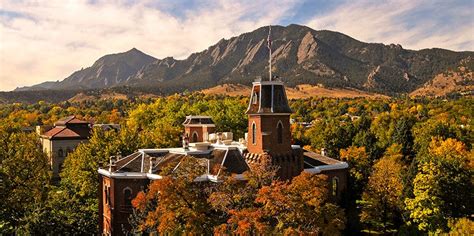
[
  {"x": 107, "y": 127},
  {"x": 268, "y": 137},
  {"x": 62, "y": 138}
]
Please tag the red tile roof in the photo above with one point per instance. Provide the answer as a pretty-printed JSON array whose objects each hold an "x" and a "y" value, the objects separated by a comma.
[
  {"x": 61, "y": 132},
  {"x": 70, "y": 120}
]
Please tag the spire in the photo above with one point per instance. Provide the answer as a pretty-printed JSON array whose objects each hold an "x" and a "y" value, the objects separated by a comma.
[{"x": 269, "y": 45}]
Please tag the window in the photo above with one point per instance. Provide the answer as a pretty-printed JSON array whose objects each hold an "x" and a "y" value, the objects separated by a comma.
[
  {"x": 255, "y": 98},
  {"x": 335, "y": 185},
  {"x": 195, "y": 137},
  {"x": 68, "y": 150},
  {"x": 60, "y": 152},
  {"x": 280, "y": 132},
  {"x": 127, "y": 196},
  {"x": 60, "y": 166},
  {"x": 254, "y": 133},
  {"x": 107, "y": 194}
]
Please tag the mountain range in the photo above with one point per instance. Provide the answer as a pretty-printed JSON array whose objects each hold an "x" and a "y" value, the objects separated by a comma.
[{"x": 301, "y": 55}]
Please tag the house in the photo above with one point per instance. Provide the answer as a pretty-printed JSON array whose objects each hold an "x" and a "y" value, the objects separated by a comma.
[
  {"x": 268, "y": 137},
  {"x": 61, "y": 139}
]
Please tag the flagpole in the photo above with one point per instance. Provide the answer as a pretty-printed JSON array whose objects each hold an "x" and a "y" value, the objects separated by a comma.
[{"x": 270, "y": 50}]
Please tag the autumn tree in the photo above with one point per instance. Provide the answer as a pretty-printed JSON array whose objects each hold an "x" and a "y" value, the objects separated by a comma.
[
  {"x": 359, "y": 168},
  {"x": 177, "y": 203},
  {"x": 311, "y": 211},
  {"x": 442, "y": 187},
  {"x": 75, "y": 200},
  {"x": 461, "y": 226},
  {"x": 235, "y": 200},
  {"x": 381, "y": 203},
  {"x": 24, "y": 180}
]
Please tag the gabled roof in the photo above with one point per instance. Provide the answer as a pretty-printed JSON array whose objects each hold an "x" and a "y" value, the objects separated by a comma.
[
  {"x": 62, "y": 132},
  {"x": 70, "y": 120}
]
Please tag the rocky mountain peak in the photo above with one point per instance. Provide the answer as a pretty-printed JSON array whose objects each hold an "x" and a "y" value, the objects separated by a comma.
[{"x": 301, "y": 55}]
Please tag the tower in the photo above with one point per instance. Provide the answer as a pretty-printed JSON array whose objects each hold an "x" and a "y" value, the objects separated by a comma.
[
  {"x": 269, "y": 134},
  {"x": 269, "y": 119}
]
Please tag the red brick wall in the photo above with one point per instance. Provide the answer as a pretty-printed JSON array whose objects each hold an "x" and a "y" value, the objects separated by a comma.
[
  {"x": 341, "y": 175},
  {"x": 268, "y": 124},
  {"x": 115, "y": 214},
  {"x": 199, "y": 130}
]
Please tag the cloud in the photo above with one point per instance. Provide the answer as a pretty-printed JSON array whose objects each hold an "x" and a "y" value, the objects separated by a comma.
[
  {"x": 415, "y": 24},
  {"x": 49, "y": 40}
]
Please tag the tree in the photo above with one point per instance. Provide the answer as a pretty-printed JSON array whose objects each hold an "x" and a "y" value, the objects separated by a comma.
[
  {"x": 461, "y": 226},
  {"x": 176, "y": 203},
  {"x": 331, "y": 135},
  {"x": 307, "y": 197},
  {"x": 235, "y": 200},
  {"x": 24, "y": 180},
  {"x": 382, "y": 204},
  {"x": 403, "y": 136},
  {"x": 442, "y": 187},
  {"x": 359, "y": 168},
  {"x": 75, "y": 200}
]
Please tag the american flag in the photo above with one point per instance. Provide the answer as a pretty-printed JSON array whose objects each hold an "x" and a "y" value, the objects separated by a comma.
[{"x": 269, "y": 40}]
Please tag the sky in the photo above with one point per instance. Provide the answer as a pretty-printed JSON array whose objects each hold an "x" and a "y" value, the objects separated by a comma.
[{"x": 47, "y": 40}]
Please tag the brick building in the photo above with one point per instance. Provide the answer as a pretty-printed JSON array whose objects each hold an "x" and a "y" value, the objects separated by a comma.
[{"x": 268, "y": 136}]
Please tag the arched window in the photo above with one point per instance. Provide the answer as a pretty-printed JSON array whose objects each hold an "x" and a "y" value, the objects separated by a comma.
[
  {"x": 127, "y": 196},
  {"x": 107, "y": 194},
  {"x": 254, "y": 98},
  {"x": 195, "y": 137},
  {"x": 335, "y": 185},
  {"x": 280, "y": 132},
  {"x": 60, "y": 166},
  {"x": 60, "y": 152},
  {"x": 68, "y": 150},
  {"x": 254, "y": 133}
]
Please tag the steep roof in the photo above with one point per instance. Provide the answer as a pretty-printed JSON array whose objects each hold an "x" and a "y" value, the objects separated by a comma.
[
  {"x": 70, "y": 120},
  {"x": 268, "y": 97},
  {"x": 215, "y": 161},
  {"x": 62, "y": 133}
]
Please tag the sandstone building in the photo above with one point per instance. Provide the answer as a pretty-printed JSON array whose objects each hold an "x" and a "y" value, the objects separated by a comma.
[{"x": 62, "y": 138}]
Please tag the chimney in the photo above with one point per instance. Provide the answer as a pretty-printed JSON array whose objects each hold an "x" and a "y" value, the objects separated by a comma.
[
  {"x": 219, "y": 138},
  {"x": 112, "y": 166},
  {"x": 186, "y": 141},
  {"x": 323, "y": 152},
  {"x": 151, "y": 166}
]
